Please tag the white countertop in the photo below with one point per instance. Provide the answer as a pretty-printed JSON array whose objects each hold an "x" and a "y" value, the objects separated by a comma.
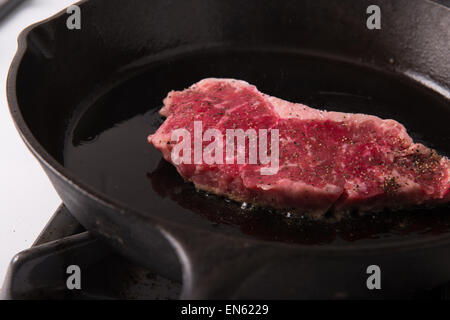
[{"x": 27, "y": 199}]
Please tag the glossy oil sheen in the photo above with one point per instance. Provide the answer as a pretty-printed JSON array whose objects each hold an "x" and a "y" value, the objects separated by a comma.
[{"x": 106, "y": 141}]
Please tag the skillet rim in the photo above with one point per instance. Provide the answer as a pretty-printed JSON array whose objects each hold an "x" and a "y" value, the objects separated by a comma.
[{"x": 103, "y": 199}]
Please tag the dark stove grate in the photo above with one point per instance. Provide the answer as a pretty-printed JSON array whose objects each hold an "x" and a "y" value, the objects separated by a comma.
[{"x": 40, "y": 272}]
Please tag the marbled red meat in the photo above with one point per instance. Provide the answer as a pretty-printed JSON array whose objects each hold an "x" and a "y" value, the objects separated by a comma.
[{"x": 328, "y": 161}]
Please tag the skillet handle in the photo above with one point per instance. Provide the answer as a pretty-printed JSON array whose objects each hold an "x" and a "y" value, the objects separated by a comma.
[{"x": 216, "y": 265}]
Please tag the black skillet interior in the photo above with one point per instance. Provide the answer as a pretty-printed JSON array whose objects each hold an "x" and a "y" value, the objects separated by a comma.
[
  {"x": 106, "y": 140},
  {"x": 103, "y": 85}
]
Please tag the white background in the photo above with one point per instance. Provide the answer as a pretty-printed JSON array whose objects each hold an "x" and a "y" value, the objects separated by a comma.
[{"x": 27, "y": 199}]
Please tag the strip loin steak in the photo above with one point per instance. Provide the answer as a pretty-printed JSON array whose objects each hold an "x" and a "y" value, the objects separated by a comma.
[{"x": 328, "y": 161}]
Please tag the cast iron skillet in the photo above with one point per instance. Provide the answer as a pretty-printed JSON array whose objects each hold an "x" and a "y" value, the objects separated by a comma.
[{"x": 85, "y": 100}]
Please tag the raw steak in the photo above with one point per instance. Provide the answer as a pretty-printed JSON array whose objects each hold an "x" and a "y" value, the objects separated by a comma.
[{"x": 328, "y": 161}]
